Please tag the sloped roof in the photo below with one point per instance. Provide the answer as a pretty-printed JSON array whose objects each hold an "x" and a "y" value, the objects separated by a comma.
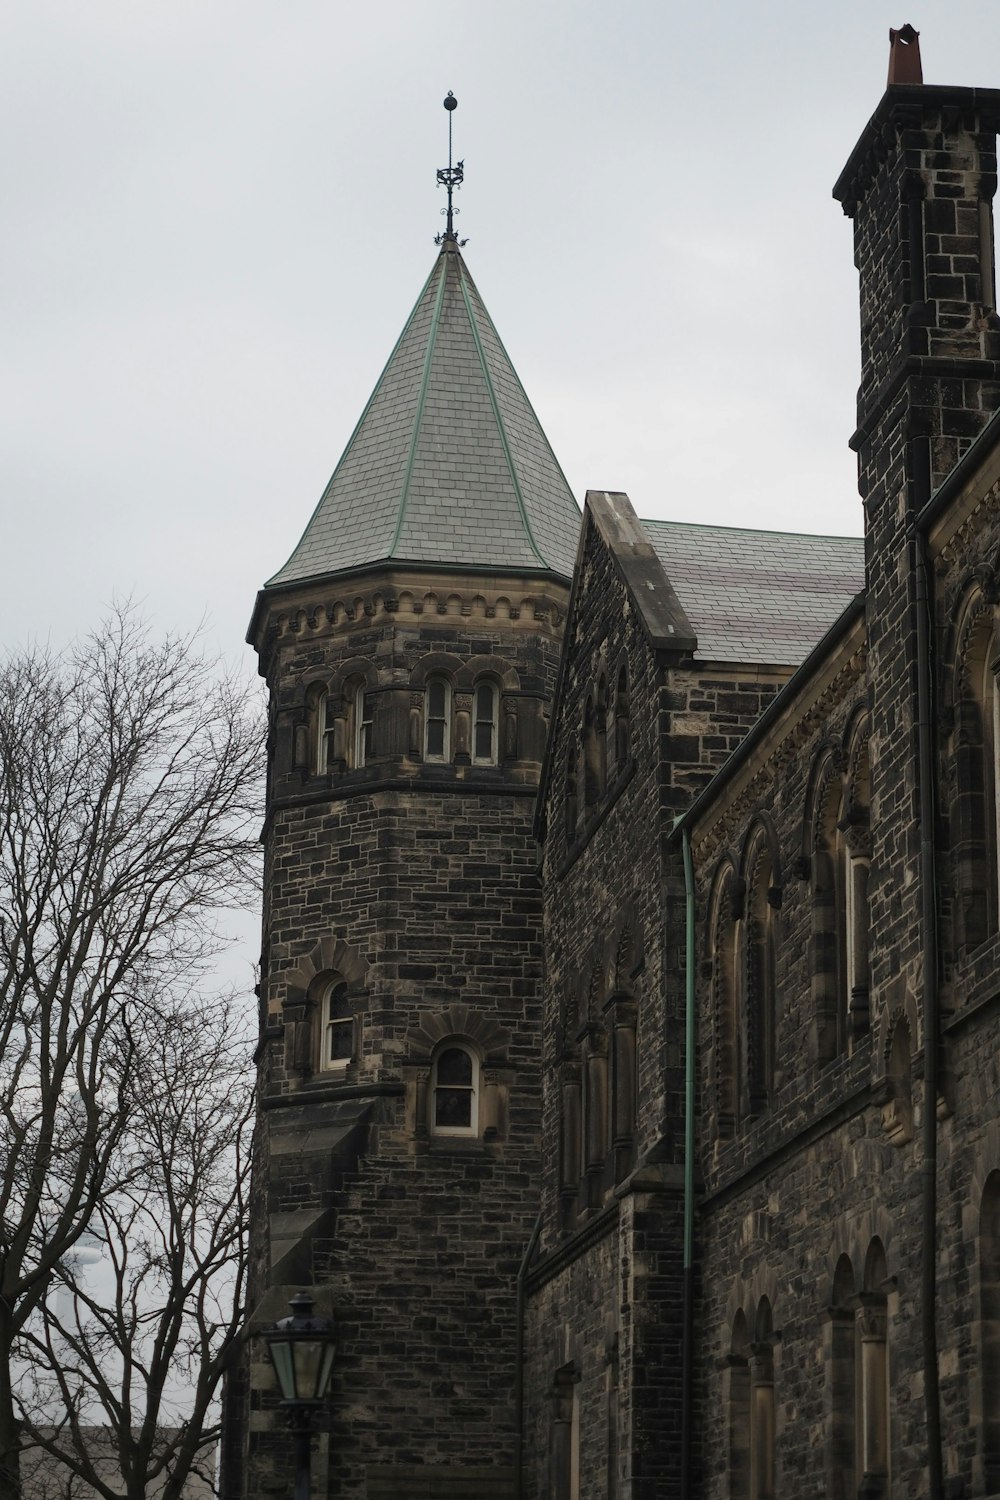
[
  {"x": 448, "y": 463},
  {"x": 758, "y": 596}
]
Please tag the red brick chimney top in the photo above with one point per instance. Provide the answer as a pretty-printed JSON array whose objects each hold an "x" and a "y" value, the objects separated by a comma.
[{"x": 904, "y": 56}]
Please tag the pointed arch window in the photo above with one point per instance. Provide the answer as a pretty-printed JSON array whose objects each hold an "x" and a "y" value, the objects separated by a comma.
[
  {"x": 726, "y": 1067},
  {"x": 486, "y": 703},
  {"x": 437, "y": 719},
  {"x": 843, "y": 1466},
  {"x": 873, "y": 1377},
  {"x": 829, "y": 925},
  {"x": 362, "y": 725},
  {"x": 736, "y": 1398},
  {"x": 759, "y": 976},
  {"x": 455, "y": 1091},
  {"x": 762, "y": 1409}
]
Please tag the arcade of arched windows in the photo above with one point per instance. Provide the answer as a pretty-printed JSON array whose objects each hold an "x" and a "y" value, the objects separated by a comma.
[
  {"x": 454, "y": 712},
  {"x": 596, "y": 1079},
  {"x": 744, "y": 935},
  {"x": 855, "y": 1353},
  {"x": 599, "y": 755}
]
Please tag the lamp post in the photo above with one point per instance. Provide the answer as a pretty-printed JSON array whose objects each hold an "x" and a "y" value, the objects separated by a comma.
[{"x": 302, "y": 1348}]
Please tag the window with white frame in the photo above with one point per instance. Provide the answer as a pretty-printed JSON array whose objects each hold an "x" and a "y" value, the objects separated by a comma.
[
  {"x": 325, "y": 754},
  {"x": 455, "y": 1091},
  {"x": 362, "y": 726},
  {"x": 437, "y": 720},
  {"x": 338, "y": 1026},
  {"x": 484, "y": 729}
]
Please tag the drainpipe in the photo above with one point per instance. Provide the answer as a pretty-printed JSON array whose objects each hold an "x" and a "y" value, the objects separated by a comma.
[
  {"x": 522, "y": 1276},
  {"x": 687, "y": 1348},
  {"x": 928, "y": 927}
]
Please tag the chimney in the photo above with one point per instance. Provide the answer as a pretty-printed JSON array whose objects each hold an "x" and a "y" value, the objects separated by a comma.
[{"x": 919, "y": 187}]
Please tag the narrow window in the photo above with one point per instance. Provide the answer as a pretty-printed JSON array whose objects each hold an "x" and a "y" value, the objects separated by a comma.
[
  {"x": 989, "y": 1330},
  {"x": 572, "y": 798},
  {"x": 362, "y": 726},
  {"x": 841, "y": 1351},
  {"x": 338, "y": 1026},
  {"x": 484, "y": 733},
  {"x": 873, "y": 1393},
  {"x": 437, "y": 720},
  {"x": 325, "y": 754},
  {"x": 594, "y": 753},
  {"x": 621, "y": 721},
  {"x": 760, "y": 940},
  {"x": 736, "y": 1399},
  {"x": 564, "y": 1453},
  {"x": 455, "y": 1092},
  {"x": 762, "y": 1414}
]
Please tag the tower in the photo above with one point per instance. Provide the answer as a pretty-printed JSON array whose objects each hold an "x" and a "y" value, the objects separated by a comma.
[{"x": 410, "y": 647}]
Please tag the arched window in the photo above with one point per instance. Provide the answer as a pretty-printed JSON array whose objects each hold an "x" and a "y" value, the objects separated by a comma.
[
  {"x": 736, "y": 1398},
  {"x": 989, "y": 1330},
  {"x": 857, "y": 841},
  {"x": 726, "y": 1067},
  {"x": 455, "y": 1091},
  {"x": 486, "y": 701},
  {"x": 843, "y": 1471},
  {"x": 337, "y": 1026},
  {"x": 362, "y": 726},
  {"x": 572, "y": 796},
  {"x": 762, "y": 1413},
  {"x": 828, "y": 866},
  {"x": 873, "y": 1366},
  {"x": 594, "y": 752},
  {"x": 325, "y": 752},
  {"x": 975, "y": 812},
  {"x": 760, "y": 941},
  {"x": 622, "y": 727},
  {"x": 437, "y": 720}
]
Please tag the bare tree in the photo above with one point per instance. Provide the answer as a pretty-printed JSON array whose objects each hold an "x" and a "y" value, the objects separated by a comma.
[
  {"x": 135, "y": 1351},
  {"x": 128, "y": 813}
]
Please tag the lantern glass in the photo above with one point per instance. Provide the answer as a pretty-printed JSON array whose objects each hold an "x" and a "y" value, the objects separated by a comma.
[
  {"x": 284, "y": 1367},
  {"x": 302, "y": 1351}
]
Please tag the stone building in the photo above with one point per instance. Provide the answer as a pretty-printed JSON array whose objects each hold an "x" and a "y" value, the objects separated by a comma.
[{"x": 628, "y": 1065}]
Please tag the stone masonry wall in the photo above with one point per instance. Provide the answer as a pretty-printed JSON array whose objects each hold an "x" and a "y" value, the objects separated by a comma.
[
  {"x": 609, "y": 1271},
  {"x": 418, "y": 883}
]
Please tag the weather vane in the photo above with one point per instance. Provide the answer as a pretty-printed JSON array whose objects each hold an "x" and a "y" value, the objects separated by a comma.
[{"x": 450, "y": 177}]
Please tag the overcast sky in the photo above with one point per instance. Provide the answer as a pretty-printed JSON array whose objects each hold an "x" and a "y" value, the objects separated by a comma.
[{"x": 219, "y": 215}]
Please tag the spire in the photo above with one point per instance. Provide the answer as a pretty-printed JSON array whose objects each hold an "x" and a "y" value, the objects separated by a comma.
[
  {"x": 450, "y": 177},
  {"x": 448, "y": 464}
]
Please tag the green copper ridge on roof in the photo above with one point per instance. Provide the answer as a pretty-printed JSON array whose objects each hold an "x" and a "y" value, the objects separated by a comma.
[
  {"x": 431, "y": 341},
  {"x": 500, "y": 426},
  {"x": 448, "y": 464}
]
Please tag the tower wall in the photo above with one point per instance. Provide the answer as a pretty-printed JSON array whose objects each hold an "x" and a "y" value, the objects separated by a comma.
[{"x": 416, "y": 885}]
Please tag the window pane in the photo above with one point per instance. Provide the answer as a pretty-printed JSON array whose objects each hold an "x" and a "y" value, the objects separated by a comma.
[
  {"x": 455, "y": 1067},
  {"x": 435, "y": 738},
  {"x": 341, "y": 1041},
  {"x": 435, "y": 700},
  {"x": 453, "y": 1108},
  {"x": 484, "y": 742},
  {"x": 484, "y": 702}
]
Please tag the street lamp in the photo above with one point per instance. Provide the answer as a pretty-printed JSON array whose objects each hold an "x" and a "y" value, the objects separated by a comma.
[{"x": 302, "y": 1349}]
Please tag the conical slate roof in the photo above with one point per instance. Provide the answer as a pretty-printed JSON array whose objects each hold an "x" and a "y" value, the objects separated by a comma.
[{"x": 448, "y": 464}]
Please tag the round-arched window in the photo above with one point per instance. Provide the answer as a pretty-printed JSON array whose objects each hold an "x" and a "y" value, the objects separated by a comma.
[
  {"x": 455, "y": 1092},
  {"x": 338, "y": 1026}
]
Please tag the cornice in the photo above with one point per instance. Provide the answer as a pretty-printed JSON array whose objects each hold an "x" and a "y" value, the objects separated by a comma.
[{"x": 339, "y": 605}]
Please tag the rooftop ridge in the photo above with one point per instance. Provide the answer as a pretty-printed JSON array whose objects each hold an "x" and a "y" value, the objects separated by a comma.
[
  {"x": 498, "y": 415},
  {"x": 418, "y": 415}
]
